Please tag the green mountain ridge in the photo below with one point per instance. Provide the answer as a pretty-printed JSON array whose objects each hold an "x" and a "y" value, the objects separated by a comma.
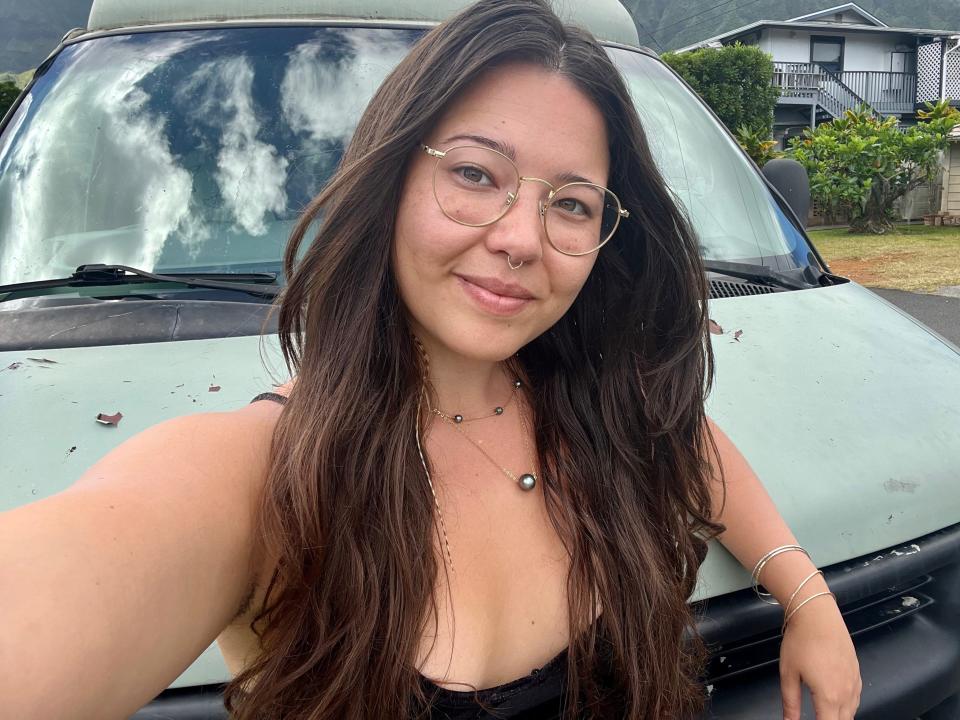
[
  {"x": 29, "y": 31},
  {"x": 670, "y": 24}
]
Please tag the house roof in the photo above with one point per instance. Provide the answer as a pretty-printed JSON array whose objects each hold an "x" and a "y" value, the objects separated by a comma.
[
  {"x": 852, "y": 8},
  {"x": 821, "y": 27}
]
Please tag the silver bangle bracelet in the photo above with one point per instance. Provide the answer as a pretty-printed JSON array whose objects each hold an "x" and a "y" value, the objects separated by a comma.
[
  {"x": 799, "y": 587},
  {"x": 761, "y": 563},
  {"x": 794, "y": 612}
]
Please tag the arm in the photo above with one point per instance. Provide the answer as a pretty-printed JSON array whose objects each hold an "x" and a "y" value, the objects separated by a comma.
[
  {"x": 754, "y": 527},
  {"x": 816, "y": 648},
  {"x": 111, "y": 588}
]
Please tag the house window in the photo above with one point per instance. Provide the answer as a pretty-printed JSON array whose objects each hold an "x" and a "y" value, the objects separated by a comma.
[{"x": 827, "y": 52}]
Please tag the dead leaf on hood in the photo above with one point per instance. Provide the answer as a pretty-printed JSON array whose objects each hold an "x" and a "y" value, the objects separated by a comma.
[
  {"x": 46, "y": 361},
  {"x": 105, "y": 419},
  {"x": 715, "y": 328},
  {"x": 214, "y": 388}
]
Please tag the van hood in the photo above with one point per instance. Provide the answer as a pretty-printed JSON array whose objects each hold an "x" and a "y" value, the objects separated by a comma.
[{"x": 846, "y": 408}]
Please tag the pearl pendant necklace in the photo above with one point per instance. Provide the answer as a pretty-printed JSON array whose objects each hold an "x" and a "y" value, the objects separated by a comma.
[{"x": 526, "y": 481}]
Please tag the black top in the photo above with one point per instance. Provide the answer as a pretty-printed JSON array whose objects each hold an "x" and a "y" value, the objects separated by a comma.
[{"x": 536, "y": 696}]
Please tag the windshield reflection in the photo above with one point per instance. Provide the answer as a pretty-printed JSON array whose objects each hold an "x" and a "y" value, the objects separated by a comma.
[
  {"x": 169, "y": 151},
  {"x": 197, "y": 150}
]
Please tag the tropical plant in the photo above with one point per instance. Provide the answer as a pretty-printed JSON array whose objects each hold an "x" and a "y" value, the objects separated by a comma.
[
  {"x": 860, "y": 164},
  {"x": 758, "y": 145}
]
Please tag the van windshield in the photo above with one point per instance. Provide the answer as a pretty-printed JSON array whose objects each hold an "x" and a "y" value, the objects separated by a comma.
[{"x": 195, "y": 151}]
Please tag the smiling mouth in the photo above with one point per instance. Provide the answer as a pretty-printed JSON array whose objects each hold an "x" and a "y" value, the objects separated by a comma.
[{"x": 493, "y": 297}]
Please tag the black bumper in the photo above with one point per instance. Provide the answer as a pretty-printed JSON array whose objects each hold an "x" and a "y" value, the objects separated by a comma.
[{"x": 902, "y": 607}]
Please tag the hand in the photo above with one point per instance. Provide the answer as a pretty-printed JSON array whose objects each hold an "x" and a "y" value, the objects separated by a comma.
[{"x": 818, "y": 651}]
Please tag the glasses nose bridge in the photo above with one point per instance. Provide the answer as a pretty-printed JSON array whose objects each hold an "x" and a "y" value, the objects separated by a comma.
[{"x": 542, "y": 206}]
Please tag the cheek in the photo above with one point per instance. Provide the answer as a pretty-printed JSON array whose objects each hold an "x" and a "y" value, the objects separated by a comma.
[{"x": 568, "y": 276}]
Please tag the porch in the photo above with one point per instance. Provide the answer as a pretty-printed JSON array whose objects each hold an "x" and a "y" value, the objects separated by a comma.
[{"x": 887, "y": 93}]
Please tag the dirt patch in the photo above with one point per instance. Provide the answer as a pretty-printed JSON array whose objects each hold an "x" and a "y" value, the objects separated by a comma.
[{"x": 869, "y": 271}]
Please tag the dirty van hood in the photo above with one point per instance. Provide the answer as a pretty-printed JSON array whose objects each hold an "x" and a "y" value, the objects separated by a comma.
[
  {"x": 846, "y": 409},
  {"x": 50, "y": 399}
]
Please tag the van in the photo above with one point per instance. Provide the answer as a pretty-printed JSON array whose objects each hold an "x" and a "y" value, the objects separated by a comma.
[{"x": 151, "y": 173}]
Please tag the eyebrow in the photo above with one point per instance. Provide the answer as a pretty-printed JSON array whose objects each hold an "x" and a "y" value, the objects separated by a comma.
[{"x": 566, "y": 176}]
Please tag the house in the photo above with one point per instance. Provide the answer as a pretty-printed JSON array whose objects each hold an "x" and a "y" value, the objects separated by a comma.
[{"x": 836, "y": 59}]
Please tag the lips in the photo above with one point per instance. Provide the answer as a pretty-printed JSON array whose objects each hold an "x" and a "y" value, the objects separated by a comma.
[{"x": 495, "y": 296}]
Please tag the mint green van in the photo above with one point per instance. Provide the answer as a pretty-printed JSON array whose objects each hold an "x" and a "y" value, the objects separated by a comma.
[{"x": 150, "y": 176}]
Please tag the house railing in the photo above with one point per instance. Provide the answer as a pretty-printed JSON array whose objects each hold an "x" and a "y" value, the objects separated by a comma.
[
  {"x": 887, "y": 92},
  {"x": 884, "y": 92}
]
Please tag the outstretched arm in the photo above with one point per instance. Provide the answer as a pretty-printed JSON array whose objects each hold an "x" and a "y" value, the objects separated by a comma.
[{"x": 816, "y": 647}]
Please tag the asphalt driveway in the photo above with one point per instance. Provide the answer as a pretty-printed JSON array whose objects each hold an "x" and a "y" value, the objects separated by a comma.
[{"x": 938, "y": 312}]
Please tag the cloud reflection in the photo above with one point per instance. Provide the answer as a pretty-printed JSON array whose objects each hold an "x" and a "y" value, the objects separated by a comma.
[
  {"x": 325, "y": 98},
  {"x": 49, "y": 227},
  {"x": 250, "y": 173}
]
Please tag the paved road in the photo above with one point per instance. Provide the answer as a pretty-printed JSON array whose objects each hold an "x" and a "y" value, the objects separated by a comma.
[{"x": 938, "y": 312}]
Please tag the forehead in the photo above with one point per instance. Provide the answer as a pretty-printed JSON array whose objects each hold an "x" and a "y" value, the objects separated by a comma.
[{"x": 540, "y": 114}]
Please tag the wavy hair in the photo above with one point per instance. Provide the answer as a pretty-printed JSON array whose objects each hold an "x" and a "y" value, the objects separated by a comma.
[{"x": 620, "y": 383}]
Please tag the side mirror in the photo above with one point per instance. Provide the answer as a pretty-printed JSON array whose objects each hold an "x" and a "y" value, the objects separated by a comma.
[{"x": 790, "y": 179}]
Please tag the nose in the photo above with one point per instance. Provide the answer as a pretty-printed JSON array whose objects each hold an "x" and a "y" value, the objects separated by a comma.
[{"x": 519, "y": 233}]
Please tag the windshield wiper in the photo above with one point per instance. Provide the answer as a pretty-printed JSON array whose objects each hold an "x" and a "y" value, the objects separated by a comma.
[
  {"x": 99, "y": 274},
  {"x": 801, "y": 279}
]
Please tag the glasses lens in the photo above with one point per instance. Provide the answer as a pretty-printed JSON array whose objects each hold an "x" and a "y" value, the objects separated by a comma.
[
  {"x": 581, "y": 217},
  {"x": 474, "y": 184}
]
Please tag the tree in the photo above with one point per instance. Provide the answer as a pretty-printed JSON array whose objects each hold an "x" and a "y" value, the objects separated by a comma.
[
  {"x": 735, "y": 81},
  {"x": 861, "y": 165},
  {"x": 8, "y": 93}
]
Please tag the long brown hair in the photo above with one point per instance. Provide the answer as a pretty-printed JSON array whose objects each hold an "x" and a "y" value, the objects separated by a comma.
[{"x": 619, "y": 385}]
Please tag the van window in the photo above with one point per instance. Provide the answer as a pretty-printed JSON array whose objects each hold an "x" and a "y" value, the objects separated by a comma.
[{"x": 196, "y": 150}]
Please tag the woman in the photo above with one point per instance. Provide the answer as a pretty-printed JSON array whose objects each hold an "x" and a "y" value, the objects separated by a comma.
[{"x": 494, "y": 458}]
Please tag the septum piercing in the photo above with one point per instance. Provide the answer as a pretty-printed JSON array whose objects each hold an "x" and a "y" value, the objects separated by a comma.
[{"x": 511, "y": 265}]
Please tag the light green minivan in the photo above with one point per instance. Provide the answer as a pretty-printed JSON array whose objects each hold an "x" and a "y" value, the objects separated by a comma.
[{"x": 180, "y": 140}]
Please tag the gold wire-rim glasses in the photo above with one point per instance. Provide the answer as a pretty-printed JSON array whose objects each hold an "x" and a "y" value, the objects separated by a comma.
[{"x": 512, "y": 196}]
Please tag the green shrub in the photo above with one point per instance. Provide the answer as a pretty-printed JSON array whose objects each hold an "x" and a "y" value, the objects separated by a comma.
[
  {"x": 861, "y": 165},
  {"x": 735, "y": 81}
]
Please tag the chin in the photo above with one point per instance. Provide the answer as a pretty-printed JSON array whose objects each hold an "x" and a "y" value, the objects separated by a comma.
[{"x": 485, "y": 344}]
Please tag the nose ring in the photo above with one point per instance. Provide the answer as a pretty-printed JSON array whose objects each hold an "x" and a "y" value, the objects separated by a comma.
[{"x": 511, "y": 265}]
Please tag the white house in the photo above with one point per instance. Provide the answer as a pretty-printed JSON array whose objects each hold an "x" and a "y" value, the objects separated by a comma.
[{"x": 841, "y": 57}]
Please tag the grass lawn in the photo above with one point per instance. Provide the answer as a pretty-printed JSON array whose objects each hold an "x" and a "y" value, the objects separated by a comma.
[{"x": 918, "y": 258}]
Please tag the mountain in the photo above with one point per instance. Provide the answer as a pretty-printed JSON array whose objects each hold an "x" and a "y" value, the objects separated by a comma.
[
  {"x": 669, "y": 24},
  {"x": 30, "y": 30}
]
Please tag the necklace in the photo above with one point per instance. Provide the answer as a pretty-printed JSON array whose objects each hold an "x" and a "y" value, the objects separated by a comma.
[
  {"x": 426, "y": 471},
  {"x": 498, "y": 410},
  {"x": 527, "y": 481}
]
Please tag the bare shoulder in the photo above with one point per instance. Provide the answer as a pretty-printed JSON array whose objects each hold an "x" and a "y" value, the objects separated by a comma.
[{"x": 155, "y": 548}]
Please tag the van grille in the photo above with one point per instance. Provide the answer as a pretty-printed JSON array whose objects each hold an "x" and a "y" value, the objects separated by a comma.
[
  {"x": 885, "y": 608},
  {"x": 725, "y": 288}
]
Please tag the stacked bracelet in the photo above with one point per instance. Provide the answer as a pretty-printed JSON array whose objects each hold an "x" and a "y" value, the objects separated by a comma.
[
  {"x": 755, "y": 583},
  {"x": 786, "y": 619},
  {"x": 761, "y": 563}
]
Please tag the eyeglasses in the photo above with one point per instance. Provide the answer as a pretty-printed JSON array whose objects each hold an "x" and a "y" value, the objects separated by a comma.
[{"x": 476, "y": 186}]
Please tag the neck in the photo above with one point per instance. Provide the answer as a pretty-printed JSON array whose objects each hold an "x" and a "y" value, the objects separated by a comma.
[{"x": 466, "y": 386}]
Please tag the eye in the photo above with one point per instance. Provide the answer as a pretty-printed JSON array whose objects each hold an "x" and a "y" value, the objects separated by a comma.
[
  {"x": 572, "y": 206},
  {"x": 473, "y": 175}
]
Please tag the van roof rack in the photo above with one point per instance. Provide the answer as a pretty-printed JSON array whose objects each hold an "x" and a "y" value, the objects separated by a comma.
[{"x": 608, "y": 20}]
